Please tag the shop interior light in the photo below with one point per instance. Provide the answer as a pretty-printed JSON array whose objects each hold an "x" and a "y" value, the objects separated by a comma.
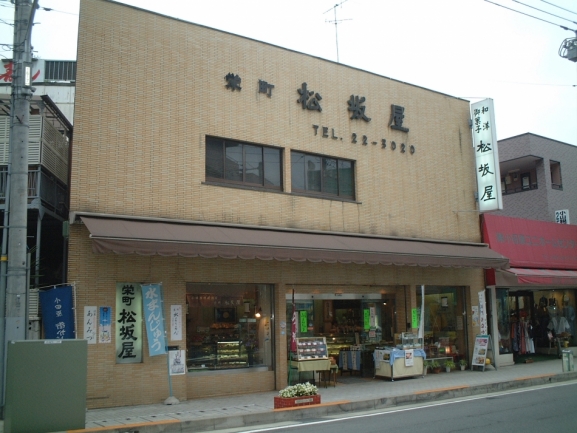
[{"x": 258, "y": 313}]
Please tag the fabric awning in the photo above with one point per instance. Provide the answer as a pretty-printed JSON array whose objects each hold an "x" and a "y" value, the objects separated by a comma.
[
  {"x": 537, "y": 277},
  {"x": 132, "y": 235}
]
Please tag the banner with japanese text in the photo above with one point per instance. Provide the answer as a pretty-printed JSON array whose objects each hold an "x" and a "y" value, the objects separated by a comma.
[
  {"x": 57, "y": 313},
  {"x": 486, "y": 156},
  {"x": 90, "y": 324},
  {"x": 154, "y": 318},
  {"x": 128, "y": 323}
]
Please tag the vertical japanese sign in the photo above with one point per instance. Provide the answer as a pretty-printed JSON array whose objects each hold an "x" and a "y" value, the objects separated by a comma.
[
  {"x": 176, "y": 322},
  {"x": 105, "y": 325},
  {"x": 304, "y": 322},
  {"x": 57, "y": 313},
  {"x": 486, "y": 156},
  {"x": 482, "y": 313},
  {"x": 128, "y": 323},
  {"x": 414, "y": 318},
  {"x": 154, "y": 318},
  {"x": 90, "y": 324},
  {"x": 366, "y": 319}
]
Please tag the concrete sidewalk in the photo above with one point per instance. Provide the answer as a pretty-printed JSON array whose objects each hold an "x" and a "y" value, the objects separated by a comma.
[{"x": 352, "y": 393}]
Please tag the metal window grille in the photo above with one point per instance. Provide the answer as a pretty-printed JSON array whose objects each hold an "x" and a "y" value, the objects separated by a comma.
[{"x": 60, "y": 70}]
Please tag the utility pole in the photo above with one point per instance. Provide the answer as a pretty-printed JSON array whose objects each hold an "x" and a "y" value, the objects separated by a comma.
[{"x": 16, "y": 285}]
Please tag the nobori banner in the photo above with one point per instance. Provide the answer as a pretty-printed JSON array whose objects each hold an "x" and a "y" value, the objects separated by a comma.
[
  {"x": 57, "y": 313},
  {"x": 486, "y": 156},
  {"x": 154, "y": 318}
]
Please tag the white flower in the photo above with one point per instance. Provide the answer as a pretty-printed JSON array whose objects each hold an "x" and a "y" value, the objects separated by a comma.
[{"x": 298, "y": 390}]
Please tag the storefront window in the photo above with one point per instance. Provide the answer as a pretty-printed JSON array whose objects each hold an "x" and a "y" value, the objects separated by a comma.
[
  {"x": 444, "y": 329},
  {"x": 503, "y": 322},
  {"x": 344, "y": 322},
  {"x": 229, "y": 326},
  {"x": 555, "y": 318}
]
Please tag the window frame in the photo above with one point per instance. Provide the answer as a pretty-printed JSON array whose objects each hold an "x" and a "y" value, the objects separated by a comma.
[
  {"x": 243, "y": 183},
  {"x": 323, "y": 193}
]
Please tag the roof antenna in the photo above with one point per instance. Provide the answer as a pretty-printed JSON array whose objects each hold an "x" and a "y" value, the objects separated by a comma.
[{"x": 334, "y": 8}]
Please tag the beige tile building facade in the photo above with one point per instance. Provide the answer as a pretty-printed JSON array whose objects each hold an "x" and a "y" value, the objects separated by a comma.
[{"x": 150, "y": 90}]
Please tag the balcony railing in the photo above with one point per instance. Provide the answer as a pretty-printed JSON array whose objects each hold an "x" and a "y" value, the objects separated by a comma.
[
  {"x": 509, "y": 190},
  {"x": 48, "y": 189}
]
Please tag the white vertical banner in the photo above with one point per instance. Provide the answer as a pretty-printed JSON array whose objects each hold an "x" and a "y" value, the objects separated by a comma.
[
  {"x": 486, "y": 156},
  {"x": 90, "y": 325},
  {"x": 482, "y": 313},
  {"x": 422, "y": 318},
  {"x": 176, "y": 322}
]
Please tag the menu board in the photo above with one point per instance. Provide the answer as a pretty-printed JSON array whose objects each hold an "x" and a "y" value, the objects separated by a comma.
[{"x": 480, "y": 350}]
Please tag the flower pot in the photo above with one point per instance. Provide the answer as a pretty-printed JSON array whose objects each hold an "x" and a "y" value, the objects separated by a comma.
[
  {"x": 436, "y": 370},
  {"x": 448, "y": 369},
  {"x": 463, "y": 367},
  {"x": 305, "y": 400}
]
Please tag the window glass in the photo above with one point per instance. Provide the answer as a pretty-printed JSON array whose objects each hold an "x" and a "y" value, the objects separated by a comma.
[
  {"x": 214, "y": 158},
  {"x": 254, "y": 168},
  {"x": 233, "y": 161},
  {"x": 346, "y": 179},
  {"x": 241, "y": 163},
  {"x": 272, "y": 172},
  {"x": 330, "y": 176},
  {"x": 313, "y": 172},
  {"x": 321, "y": 174},
  {"x": 228, "y": 326},
  {"x": 298, "y": 171}
]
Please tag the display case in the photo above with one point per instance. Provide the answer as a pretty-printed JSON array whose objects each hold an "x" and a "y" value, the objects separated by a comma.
[
  {"x": 410, "y": 341},
  {"x": 311, "y": 348},
  {"x": 201, "y": 356},
  {"x": 337, "y": 343},
  {"x": 229, "y": 354}
]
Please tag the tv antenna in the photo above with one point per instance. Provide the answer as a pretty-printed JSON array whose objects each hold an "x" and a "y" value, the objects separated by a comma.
[{"x": 334, "y": 8}]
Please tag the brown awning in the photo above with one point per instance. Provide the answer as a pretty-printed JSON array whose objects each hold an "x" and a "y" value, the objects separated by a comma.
[{"x": 126, "y": 235}]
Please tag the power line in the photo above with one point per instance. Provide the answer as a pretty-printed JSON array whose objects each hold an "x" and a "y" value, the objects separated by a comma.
[
  {"x": 559, "y": 7},
  {"x": 545, "y": 12},
  {"x": 532, "y": 16}
]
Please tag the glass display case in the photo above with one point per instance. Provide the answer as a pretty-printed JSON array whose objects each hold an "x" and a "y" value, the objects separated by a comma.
[
  {"x": 230, "y": 354},
  {"x": 410, "y": 341},
  {"x": 311, "y": 348}
]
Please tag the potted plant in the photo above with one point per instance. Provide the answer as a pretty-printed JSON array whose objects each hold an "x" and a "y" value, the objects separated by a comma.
[
  {"x": 426, "y": 366},
  {"x": 463, "y": 364},
  {"x": 301, "y": 394},
  {"x": 435, "y": 366},
  {"x": 449, "y": 364}
]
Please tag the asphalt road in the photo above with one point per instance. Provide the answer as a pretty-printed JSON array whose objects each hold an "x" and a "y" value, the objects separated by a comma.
[{"x": 549, "y": 408}]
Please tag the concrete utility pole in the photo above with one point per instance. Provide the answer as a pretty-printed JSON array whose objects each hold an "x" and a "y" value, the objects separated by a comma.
[{"x": 16, "y": 272}]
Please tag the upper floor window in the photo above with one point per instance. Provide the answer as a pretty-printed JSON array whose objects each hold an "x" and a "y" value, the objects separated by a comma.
[
  {"x": 242, "y": 163},
  {"x": 322, "y": 175},
  {"x": 556, "y": 181}
]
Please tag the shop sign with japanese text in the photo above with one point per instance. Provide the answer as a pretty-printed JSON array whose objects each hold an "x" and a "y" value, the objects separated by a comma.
[
  {"x": 486, "y": 156},
  {"x": 128, "y": 323}
]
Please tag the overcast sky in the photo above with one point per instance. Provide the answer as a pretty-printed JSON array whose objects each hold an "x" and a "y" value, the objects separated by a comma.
[{"x": 471, "y": 49}]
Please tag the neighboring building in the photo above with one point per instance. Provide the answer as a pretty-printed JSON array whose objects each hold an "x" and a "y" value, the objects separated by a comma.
[
  {"x": 49, "y": 139},
  {"x": 538, "y": 177},
  {"x": 240, "y": 176},
  {"x": 54, "y": 78},
  {"x": 534, "y": 301}
]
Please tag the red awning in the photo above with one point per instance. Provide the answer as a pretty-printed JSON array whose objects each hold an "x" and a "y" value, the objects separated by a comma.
[
  {"x": 532, "y": 244},
  {"x": 537, "y": 277},
  {"x": 132, "y": 235}
]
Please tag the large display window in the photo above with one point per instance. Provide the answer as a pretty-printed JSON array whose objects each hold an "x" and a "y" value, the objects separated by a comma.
[
  {"x": 444, "y": 322},
  {"x": 345, "y": 322},
  {"x": 229, "y": 326}
]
